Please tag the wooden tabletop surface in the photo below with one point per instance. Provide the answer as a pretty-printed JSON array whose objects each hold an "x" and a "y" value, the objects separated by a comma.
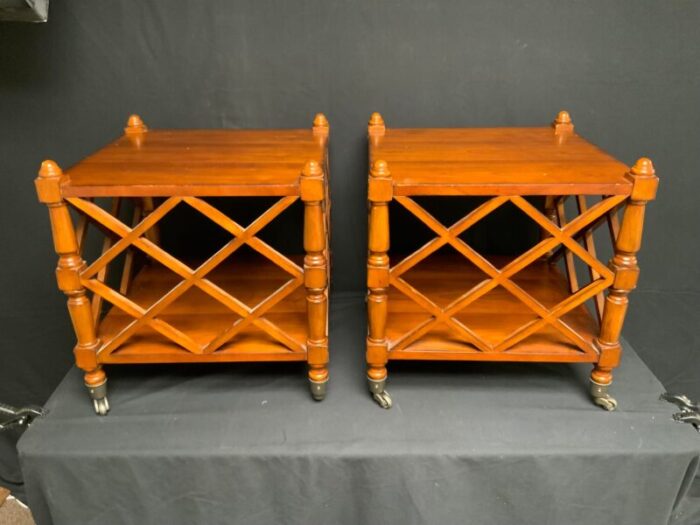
[
  {"x": 197, "y": 162},
  {"x": 497, "y": 161}
]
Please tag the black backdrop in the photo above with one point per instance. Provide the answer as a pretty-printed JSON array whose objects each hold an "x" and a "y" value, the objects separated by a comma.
[{"x": 628, "y": 71}]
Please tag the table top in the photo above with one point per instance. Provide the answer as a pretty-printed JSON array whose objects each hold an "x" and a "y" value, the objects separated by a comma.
[
  {"x": 197, "y": 162},
  {"x": 497, "y": 161}
]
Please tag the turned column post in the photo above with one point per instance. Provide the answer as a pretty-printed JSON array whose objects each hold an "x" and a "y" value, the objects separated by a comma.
[
  {"x": 321, "y": 130},
  {"x": 70, "y": 264},
  {"x": 380, "y": 191},
  {"x": 315, "y": 277},
  {"x": 135, "y": 131},
  {"x": 562, "y": 127},
  {"x": 626, "y": 270}
]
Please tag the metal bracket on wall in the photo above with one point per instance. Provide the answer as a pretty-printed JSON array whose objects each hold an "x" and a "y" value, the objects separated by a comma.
[
  {"x": 690, "y": 411},
  {"x": 11, "y": 417}
]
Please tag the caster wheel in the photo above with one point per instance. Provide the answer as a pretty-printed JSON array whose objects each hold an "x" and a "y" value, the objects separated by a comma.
[
  {"x": 608, "y": 403},
  {"x": 383, "y": 399},
  {"x": 101, "y": 406}
]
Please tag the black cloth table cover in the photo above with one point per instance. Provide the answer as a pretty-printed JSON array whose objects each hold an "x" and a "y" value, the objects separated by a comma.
[{"x": 481, "y": 443}]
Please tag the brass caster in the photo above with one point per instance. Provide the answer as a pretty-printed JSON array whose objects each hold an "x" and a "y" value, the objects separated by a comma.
[
  {"x": 99, "y": 398},
  {"x": 608, "y": 402},
  {"x": 379, "y": 394},
  {"x": 101, "y": 406},
  {"x": 376, "y": 386},
  {"x": 383, "y": 399},
  {"x": 318, "y": 389},
  {"x": 602, "y": 398}
]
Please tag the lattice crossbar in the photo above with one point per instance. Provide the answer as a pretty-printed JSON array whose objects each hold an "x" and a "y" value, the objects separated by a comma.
[
  {"x": 92, "y": 277},
  {"x": 564, "y": 235}
]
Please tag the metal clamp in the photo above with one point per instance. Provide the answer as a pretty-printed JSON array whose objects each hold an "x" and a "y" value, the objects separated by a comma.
[
  {"x": 690, "y": 411},
  {"x": 681, "y": 401},
  {"x": 11, "y": 417}
]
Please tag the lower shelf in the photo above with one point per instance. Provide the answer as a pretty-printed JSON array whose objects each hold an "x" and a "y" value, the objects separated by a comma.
[
  {"x": 494, "y": 316},
  {"x": 202, "y": 318}
]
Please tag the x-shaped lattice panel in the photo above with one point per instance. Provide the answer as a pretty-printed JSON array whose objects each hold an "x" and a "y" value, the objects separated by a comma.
[
  {"x": 564, "y": 236},
  {"x": 191, "y": 277}
]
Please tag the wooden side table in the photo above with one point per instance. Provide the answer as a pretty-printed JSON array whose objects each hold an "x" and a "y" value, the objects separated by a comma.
[
  {"x": 468, "y": 306},
  {"x": 168, "y": 310}
]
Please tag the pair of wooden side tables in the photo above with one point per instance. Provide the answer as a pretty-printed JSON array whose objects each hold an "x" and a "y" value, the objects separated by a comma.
[{"x": 138, "y": 303}]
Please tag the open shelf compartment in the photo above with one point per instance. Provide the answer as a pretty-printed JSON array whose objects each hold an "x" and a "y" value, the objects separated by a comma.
[
  {"x": 203, "y": 318},
  {"x": 443, "y": 277}
]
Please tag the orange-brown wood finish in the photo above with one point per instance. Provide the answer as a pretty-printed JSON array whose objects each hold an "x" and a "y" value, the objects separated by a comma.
[
  {"x": 523, "y": 308},
  {"x": 168, "y": 310}
]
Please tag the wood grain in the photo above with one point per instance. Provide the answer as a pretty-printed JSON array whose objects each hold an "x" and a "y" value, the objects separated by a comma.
[
  {"x": 197, "y": 163},
  {"x": 497, "y": 161}
]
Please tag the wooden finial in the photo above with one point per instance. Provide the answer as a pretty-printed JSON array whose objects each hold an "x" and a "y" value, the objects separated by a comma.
[
  {"x": 321, "y": 127},
  {"x": 320, "y": 121},
  {"x": 376, "y": 125},
  {"x": 50, "y": 169},
  {"x": 645, "y": 181},
  {"x": 643, "y": 166},
  {"x": 563, "y": 118},
  {"x": 376, "y": 119},
  {"x": 562, "y": 124},
  {"x": 48, "y": 183},
  {"x": 379, "y": 169},
  {"x": 312, "y": 169},
  {"x": 135, "y": 126}
]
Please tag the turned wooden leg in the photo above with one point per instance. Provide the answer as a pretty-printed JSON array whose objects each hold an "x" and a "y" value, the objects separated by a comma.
[
  {"x": 624, "y": 265},
  {"x": 380, "y": 187},
  {"x": 70, "y": 264},
  {"x": 315, "y": 277}
]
